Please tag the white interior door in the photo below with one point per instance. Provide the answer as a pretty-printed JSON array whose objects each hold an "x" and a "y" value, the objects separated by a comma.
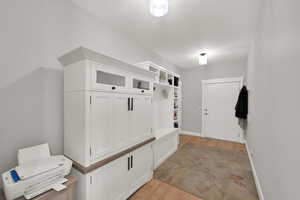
[{"x": 218, "y": 109}]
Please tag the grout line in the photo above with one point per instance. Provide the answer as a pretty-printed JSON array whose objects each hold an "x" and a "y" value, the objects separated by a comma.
[{"x": 179, "y": 189}]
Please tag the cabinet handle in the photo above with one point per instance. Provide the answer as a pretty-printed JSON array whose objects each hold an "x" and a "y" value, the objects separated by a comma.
[
  {"x": 128, "y": 163},
  {"x": 113, "y": 88},
  {"x": 131, "y": 103},
  {"x": 128, "y": 101},
  {"x": 131, "y": 161}
]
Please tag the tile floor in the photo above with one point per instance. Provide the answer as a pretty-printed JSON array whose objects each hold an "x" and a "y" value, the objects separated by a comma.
[{"x": 202, "y": 169}]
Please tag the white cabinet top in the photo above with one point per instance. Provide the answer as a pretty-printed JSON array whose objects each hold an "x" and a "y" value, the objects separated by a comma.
[{"x": 82, "y": 53}]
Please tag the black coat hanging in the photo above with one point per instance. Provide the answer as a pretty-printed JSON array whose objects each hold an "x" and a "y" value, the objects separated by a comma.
[{"x": 241, "y": 108}]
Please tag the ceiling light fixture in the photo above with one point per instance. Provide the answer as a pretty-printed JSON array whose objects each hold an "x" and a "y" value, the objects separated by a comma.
[
  {"x": 203, "y": 59},
  {"x": 159, "y": 8}
]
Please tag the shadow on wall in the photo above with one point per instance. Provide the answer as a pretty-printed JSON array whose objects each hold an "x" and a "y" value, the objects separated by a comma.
[{"x": 31, "y": 113}]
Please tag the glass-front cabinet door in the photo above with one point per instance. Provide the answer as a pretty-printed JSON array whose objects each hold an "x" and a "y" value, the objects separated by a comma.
[
  {"x": 108, "y": 79},
  {"x": 141, "y": 86}
]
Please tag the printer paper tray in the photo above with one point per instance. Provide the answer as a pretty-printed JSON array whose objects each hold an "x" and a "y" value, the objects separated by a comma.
[{"x": 48, "y": 186}]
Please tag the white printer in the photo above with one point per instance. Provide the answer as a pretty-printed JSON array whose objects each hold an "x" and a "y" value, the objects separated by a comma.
[{"x": 36, "y": 173}]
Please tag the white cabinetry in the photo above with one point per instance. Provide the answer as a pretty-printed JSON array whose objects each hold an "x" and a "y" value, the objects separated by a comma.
[
  {"x": 117, "y": 122},
  {"x": 110, "y": 181},
  {"x": 164, "y": 147},
  {"x": 102, "y": 138},
  {"x": 141, "y": 167},
  {"x": 108, "y": 124},
  {"x": 107, "y": 106},
  {"x": 118, "y": 179},
  {"x": 140, "y": 119},
  {"x": 120, "y": 120}
]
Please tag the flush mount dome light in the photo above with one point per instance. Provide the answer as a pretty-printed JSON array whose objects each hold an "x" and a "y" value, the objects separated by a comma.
[
  {"x": 203, "y": 59},
  {"x": 159, "y": 8}
]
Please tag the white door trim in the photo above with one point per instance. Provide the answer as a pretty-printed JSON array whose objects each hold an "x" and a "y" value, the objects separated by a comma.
[
  {"x": 214, "y": 81},
  {"x": 223, "y": 80}
]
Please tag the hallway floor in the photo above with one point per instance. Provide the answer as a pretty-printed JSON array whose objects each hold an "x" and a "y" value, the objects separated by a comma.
[{"x": 205, "y": 169}]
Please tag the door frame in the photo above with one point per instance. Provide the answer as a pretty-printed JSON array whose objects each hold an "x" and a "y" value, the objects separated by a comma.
[{"x": 239, "y": 80}]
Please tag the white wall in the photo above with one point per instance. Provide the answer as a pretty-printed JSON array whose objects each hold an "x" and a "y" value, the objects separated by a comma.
[
  {"x": 192, "y": 89},
  {"x": 273, "y": 81},
  {"x": 33, "y": 34}
]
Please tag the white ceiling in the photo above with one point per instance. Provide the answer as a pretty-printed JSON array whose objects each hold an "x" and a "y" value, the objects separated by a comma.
[{"x": 223, "y": 28}]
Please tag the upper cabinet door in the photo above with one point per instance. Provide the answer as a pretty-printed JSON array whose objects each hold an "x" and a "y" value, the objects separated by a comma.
[
  {"x": 141, "y": 86},
  {"x": 108, "y": 78},
  {"x": 109, "y": 124},
  {"x": 120, "y": 121},
  {"x": 100, "y": 125},
  {"x": 140, "y": 118}
]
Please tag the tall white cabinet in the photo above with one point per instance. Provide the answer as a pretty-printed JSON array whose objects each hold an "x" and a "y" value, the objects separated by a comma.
[{"x": 107, "y": 124}]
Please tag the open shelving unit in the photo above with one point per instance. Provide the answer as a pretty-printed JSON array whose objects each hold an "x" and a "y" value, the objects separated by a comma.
[
  {"x": 170, "y": 83},
  {"x": 177, "y": 107},
  {"x": 166, "y": 114}
]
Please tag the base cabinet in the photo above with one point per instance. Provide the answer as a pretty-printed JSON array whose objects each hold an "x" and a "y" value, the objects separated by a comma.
[
  {"x": 164, "y": 147},
  {"x": 141, "y": 167},
  {"x": 110, "y": 181},
  {"x": 119, "y": 179}
]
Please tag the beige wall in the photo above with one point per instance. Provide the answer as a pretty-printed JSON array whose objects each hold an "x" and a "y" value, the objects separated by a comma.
[
  {"x": 33, "y": 34},
  {"x": 273, "y": 81}
]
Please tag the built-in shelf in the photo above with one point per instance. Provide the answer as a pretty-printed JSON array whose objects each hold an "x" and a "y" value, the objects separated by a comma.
[{"x": 170, "y": 81}]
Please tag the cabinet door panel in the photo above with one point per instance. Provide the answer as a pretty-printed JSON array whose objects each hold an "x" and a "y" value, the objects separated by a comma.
[
  {"x": 140, "y": 118},
  {"x": 110, "y": 182},
  {"x": 120, "y": 121},
  {"x": 142, "y": 164},
  {"x": 100, "y": 124}
]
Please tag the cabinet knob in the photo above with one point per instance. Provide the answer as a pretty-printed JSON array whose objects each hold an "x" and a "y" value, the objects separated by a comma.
[
  {"x": 113, "y": 88},
  {"x": 143, "y": 91}
]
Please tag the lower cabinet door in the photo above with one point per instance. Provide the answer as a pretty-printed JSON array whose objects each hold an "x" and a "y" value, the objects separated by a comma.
[
  {"x": 141, "y": 169},
  {"x": 111, "y": 182}
]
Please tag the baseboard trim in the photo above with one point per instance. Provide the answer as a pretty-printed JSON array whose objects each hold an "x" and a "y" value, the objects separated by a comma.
[
  {"x": 183, "y": 132},
  {"x": 256, "y": 179}
]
